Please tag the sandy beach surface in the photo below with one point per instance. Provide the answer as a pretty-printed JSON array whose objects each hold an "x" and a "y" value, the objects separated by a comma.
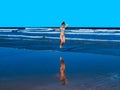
[{"x": 22, "y": 69}]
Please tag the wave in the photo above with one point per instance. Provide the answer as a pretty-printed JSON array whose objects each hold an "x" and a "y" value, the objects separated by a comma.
[
  {"x": 8, "y": 30},
  {"x": 40, "y": 32},
  {"x": 96, "y": 33},
  {"x": 22, "y": 36},
  {"x": 85, "y": 39},
  {"x": 105, "y": 30},
  {"x": 76, "y": 30},
  {"x": 82, "y": 30},
  {"x": 16, "y": 38},
  {"x": 48, "y": 29},
  {"x": 68, "y": 31},
  {"x": 97, "y": 30},
  {"x": 48, "y": 37},
  {"x": 56, "y": 32}
]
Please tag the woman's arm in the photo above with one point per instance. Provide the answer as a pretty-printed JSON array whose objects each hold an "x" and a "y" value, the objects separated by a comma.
[
  {"x": 56, "y": 29},
  {"x": 66, "y": 25}
]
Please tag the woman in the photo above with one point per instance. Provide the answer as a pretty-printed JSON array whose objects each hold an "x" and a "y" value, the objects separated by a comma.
[{"x": 62, "y": 33}]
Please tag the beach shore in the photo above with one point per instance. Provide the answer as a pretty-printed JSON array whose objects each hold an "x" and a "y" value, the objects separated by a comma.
[{"x": 22, "y": 69}]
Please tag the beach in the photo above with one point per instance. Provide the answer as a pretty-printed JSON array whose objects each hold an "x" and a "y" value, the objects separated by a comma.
[
  {"x": 30, "y": 60},
  {"x": 37, "y": 70}
]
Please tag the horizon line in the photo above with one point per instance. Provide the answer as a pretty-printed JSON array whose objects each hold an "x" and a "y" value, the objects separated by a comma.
[{"x": 15, "y": 27}]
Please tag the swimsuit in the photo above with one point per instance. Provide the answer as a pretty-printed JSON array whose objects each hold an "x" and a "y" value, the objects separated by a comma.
[{"x": 62, "y": 30}]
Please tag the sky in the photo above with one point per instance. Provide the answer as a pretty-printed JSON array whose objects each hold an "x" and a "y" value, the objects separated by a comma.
[{"x": 47, "y": 13}]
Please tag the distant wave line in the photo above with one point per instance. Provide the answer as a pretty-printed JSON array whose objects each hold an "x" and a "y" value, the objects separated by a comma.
[
  {"x": 37, "y": 37},
  {"x": 74, "y": 33},
  {"x": 85, "y": 39},
  {"x": 23, "y": 36}
]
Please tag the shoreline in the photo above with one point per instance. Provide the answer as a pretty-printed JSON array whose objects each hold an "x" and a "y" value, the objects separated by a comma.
[
  {"x": 36, "y": 70},
  {"x": 55, "y": 51}
]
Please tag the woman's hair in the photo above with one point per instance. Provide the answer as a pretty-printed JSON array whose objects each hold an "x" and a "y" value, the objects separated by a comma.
[{"x": 63, "y": 23}]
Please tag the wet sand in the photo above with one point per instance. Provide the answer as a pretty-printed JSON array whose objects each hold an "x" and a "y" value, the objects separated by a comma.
[{"x": 39, "y": 70}]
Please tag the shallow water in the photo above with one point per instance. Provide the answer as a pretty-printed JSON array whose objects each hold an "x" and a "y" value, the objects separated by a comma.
[
  {"x": 30, "y": 60},
  {"x": 40, "y": 70},
  {"x": 98, "y": 41}
]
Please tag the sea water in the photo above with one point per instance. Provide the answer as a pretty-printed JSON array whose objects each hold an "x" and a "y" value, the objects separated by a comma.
[
  {"x": 30, "y": 59},
  {"x": 101, "y": 41}
]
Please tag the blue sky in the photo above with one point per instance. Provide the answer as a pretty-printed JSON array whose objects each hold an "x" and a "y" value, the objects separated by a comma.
[{"x": 36, "y": 13}]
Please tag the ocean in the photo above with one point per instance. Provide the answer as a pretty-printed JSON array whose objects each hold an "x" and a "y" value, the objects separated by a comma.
[
  {"x": 101, "y": 41},
  {"x": 30, "y": 59}
]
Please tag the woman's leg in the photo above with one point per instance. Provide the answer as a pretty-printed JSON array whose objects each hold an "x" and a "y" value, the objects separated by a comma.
[
  {"x": 62, "y": 38},
  {"x": 61, "y": 41}
]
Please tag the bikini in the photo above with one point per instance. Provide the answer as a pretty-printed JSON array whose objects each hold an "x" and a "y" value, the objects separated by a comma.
[{"x": 62, "y": 30}]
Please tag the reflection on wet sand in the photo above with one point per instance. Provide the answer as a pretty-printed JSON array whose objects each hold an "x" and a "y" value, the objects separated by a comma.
[{"x": 62, "y": 72}]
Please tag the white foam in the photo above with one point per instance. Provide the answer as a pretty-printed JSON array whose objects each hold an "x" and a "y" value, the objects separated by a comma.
[
  {"x": 24, "y": 36},
  {"x": 94, "y": 33},
  {"x": 82, "y": 30},
  {"x": 76, "y": 33},
  {"x": 40, "y": 32},
  {"x": 46, "y": 29},
  {"x": 106, "y": 30},
  {"x": 33, "y": 28},
  {"x": 7, "y": 30},
  {"x": 37, "y": 37},
  {"x": 85, "y": 39},
  {"x": 19, "y": 38}
]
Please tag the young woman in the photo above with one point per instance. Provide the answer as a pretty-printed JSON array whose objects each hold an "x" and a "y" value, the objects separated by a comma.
[{"x": 62, "y": 33}]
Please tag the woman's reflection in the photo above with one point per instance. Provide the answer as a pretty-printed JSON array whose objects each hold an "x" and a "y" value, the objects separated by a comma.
[{"x": 62, "y": 72}]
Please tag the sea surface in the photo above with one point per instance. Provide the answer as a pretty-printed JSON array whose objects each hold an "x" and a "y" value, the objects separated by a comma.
[{"x": 30, "y": 59}]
